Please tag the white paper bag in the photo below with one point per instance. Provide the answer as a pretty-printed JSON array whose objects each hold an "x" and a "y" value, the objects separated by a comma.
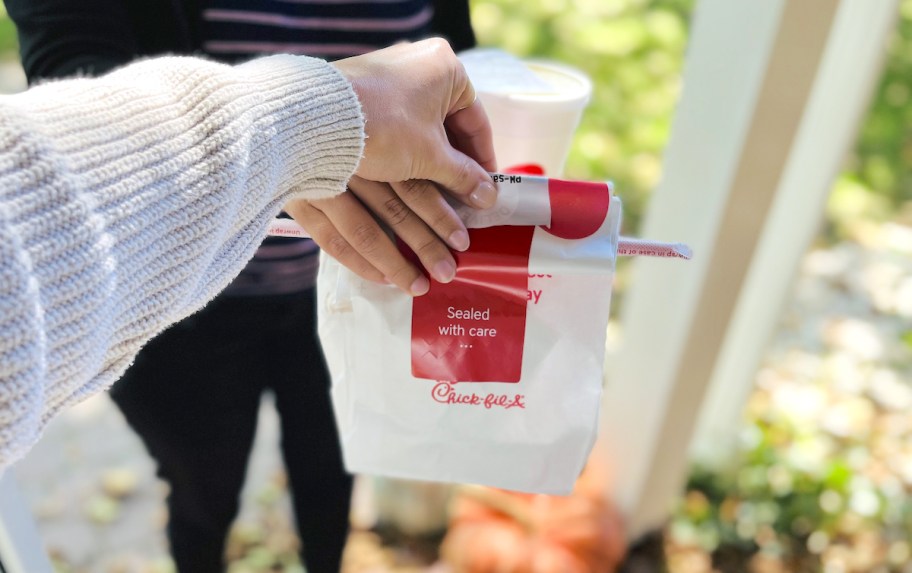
[{"x": 492, "y": 379}]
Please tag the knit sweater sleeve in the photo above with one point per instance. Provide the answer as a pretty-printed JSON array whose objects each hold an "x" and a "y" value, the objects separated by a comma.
[{"x": 129, "y": 201}]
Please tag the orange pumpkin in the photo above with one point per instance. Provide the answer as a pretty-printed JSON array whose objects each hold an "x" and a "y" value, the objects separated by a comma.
[{"x": 496, "y": 531}]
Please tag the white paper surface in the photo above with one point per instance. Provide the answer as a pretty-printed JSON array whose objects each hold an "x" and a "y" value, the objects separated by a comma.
[{"x": 388, "y": 421}]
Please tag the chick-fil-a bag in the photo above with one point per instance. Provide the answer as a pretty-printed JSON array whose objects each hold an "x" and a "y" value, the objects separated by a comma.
[{"x": 496, "y": 377}]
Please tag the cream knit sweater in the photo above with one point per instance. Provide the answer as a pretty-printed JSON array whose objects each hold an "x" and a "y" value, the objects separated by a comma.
[{"x": 127, "y": 202}]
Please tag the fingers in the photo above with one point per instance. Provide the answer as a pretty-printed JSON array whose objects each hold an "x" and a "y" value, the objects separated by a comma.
[
  {"x": 470, "y": 132},
  {"x": 463, "y": 161},
  {"x": 420, "y": 217},
  {"x": 423, "y": 199},
  {"x": 463, "y": 91},
  {"x": 346, "y": 228},
  {"x": 348, "y": 233},
  {"x": 462, "y": 177},
  {"x": 327, "y": 236}
]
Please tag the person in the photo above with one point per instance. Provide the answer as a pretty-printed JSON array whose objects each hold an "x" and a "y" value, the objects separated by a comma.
[
  {"x": 193, "y": 394},
  {"x": 129, "y": 201}
]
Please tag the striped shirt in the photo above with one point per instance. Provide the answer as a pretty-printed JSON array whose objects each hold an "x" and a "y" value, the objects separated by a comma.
[{"x": 236, "y": 30}]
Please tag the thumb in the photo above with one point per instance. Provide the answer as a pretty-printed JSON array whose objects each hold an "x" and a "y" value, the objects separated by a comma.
[{"x": 463, "y": 178}]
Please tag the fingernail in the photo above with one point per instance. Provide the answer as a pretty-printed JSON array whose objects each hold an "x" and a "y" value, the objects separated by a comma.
[
  {"x": 459, "y": 240},
  {"x": 420, "y": 286},
  {"x": 484, "y": 195},
  {"x": 444, "y": 271}
]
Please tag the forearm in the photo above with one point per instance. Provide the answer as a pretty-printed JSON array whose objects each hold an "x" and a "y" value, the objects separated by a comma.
[{"x": 126, "y": 203}]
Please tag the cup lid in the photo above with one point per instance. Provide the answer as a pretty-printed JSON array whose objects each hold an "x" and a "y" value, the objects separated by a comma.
[
  {"x": 567, "y": 89},
  {"x": 568, "y": 84}
]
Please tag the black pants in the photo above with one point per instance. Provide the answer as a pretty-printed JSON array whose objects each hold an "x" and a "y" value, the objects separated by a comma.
[{"x": 193, "y": 395}]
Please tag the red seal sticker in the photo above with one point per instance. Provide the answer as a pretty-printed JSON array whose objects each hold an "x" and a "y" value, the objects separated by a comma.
[{"x": 473, "y": 328}]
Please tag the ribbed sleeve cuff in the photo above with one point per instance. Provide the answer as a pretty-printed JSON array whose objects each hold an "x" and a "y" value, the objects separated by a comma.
[{"x": 315, "y": 114}]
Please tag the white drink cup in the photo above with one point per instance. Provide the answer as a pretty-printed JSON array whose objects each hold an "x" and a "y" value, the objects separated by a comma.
[{"x": 538, "y": 126}]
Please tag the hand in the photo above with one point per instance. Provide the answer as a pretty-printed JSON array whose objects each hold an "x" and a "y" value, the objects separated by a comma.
[
  {"x": 425, "y": 131},
  {"x": 348, "y": 232},
  {"x": 422, "y": 120}
]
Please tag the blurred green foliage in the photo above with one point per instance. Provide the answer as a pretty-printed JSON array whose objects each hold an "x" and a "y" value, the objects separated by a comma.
[
  {"x": 769, "y": 505},
  {"x": 9, "y": 45},
  {"x": 877, "y": 182},
  {"x": 884, "y": 148}
]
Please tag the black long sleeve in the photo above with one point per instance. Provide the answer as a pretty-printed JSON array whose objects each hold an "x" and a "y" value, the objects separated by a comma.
[
  {"x": 451, "y": 20},
  {"x": 59, "y": 38}
]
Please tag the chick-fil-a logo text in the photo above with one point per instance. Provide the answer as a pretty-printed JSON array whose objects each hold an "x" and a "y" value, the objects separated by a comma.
[{"x": 445, "y": 393}]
